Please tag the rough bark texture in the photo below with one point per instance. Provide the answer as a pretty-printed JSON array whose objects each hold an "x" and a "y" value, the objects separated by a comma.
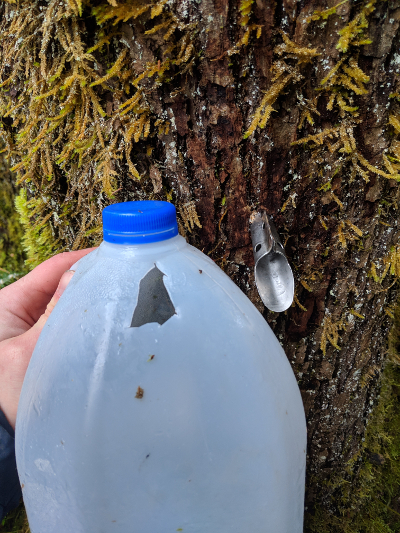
[
  {"x": 334, "y": 222},
  {"x": 211, "y": 113},
  {"x": 11, "y": 253}
]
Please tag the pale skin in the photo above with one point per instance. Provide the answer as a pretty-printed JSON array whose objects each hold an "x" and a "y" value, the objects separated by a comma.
[{"x": 24, "y": 309}]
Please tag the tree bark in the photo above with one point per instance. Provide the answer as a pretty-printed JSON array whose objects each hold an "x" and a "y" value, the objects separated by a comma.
[{"x": 333, "y": 197}]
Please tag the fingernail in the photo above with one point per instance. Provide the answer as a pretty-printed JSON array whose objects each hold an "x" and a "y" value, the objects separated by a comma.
[{"x": 65, "y": 279}]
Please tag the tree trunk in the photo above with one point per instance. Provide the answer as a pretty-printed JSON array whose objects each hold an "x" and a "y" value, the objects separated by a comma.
[
  {"x": 226, "y": 108},
  {"x": 11, "y": 253}
]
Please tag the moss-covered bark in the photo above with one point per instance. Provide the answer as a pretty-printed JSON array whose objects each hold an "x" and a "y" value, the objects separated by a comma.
[
  {"x": 224, "y": 108},
  {"x": 11, "y": 254}
]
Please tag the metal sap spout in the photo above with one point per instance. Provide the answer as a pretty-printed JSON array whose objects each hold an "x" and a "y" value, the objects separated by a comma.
[{"x": 273, "y": 275}]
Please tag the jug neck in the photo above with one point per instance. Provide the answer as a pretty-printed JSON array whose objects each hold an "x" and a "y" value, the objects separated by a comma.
[{"x": 108, "y": 249}]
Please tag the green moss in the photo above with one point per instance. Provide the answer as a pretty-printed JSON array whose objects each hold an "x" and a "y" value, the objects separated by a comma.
[
  {"x": 62, "y": 140},
  {"x": 11, "y": 253},
  {"x": 37, "y": 241},
  {"x": 368, "y": 499},
  {"x": 15, "y": 522}
]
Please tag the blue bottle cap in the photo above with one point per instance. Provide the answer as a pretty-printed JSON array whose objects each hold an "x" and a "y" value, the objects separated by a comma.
[{"x": 139, "y": 222}]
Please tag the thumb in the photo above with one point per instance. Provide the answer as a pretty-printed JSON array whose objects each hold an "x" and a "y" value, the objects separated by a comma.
[
  {"x": 62, "y": 285},
  {"x": 19, "y": 350}
]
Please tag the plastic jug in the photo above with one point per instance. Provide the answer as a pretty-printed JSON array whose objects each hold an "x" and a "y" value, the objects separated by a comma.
[{"x": 157, "y": 398}]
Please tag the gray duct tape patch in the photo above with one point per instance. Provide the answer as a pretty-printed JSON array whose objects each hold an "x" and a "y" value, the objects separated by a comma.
[{"x": 154, "y": 303}]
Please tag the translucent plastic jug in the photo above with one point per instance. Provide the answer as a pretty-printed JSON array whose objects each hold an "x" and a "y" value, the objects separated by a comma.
[{"x": 157, "y": 398}]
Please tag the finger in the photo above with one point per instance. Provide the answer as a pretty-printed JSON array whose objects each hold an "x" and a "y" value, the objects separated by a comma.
[
  {"x": 65, "y": 279},
  {"x": 17, "y": 353},
  {"x": 15, "y": 357},
  {"x": 25, "y": 300}
]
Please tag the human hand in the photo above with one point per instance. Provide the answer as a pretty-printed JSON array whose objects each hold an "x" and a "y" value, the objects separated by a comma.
[{"x": 25, "y": 305}]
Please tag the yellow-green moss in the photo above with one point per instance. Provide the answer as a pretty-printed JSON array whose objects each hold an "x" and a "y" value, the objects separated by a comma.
[
  {"x": 11, "y": 253},
  {"x": 80, "y": 111},
  {"x": 16, "y": 521},
  {"x": 37, "y": 241},
  {"x": 368, "y": 498}
]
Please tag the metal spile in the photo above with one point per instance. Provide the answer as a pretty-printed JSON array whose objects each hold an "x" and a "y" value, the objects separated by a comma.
[{"x": 273, "y": 275}]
